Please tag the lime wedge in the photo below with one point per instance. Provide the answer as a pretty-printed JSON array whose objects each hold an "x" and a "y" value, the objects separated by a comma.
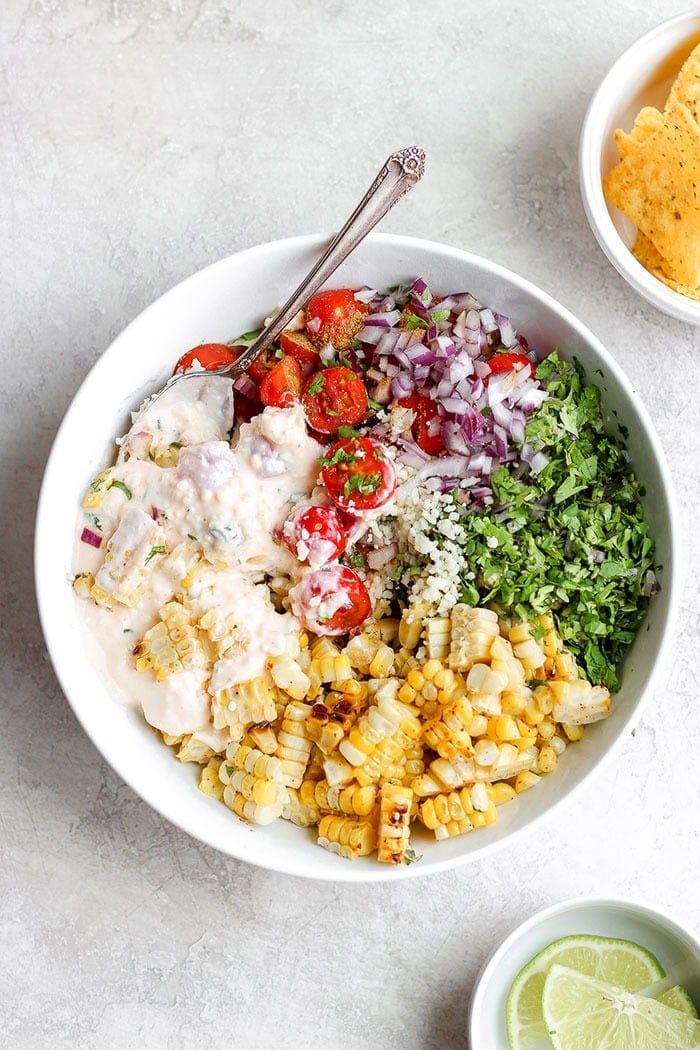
[
  {"x": 583, "y": 1013},
  {"x": 609, "y": 959},
  {"x": 679, "y": 998}
]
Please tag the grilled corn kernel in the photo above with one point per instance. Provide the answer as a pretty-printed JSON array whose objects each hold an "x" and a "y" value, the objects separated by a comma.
[{"x": 547, "y": 760}]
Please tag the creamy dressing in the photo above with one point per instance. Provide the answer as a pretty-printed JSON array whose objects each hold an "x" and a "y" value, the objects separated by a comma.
[{"x": 201, "y": 529}]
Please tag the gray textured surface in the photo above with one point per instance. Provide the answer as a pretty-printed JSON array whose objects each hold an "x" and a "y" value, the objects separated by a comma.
[{"x": 139, "y": 142}]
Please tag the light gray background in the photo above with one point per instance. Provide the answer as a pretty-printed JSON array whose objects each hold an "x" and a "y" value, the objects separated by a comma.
[{"x": 139, "y": 142}]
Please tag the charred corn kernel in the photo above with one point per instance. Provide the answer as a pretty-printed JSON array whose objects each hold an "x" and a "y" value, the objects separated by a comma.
[
  {"x": 431, "y": 668},
  {"x": 328, "y": 723},
  {"x": 351, "y": 799},
  {"x": 445, "y": 773},
  {"x": 263, "y": 738},
  {"x": 454, "y": 828},
  {"x": 533, "y": 714},
  {"x": 288, "y": 675},
  {"x": 514, "y": 703},
  {"x": 547, "y": 761},
  {"x": 298, "y": 810},
  {"x": 294, "y": 742},
  {"x": 209, "y": 781},
  {"x": 486, "y": 752},
  {"x": 573, "y": 732},
  {"x": 349, "y": 837},
  {"x": 83, "y": 583},
  {"x": 578, "y": 702},
  {"x": 482, "y": 818},
  {"x": 478, "y": 725},
  {"x": 436, "y": 635},
  {"x": 337, "y": 770},
  {"x": 544, "y": 698},
  {"x": 416, "y": 679},
  {"x": 447, "y": 732},
  {"x": 481, "y": 679},
  {"x": 406, "y": 694},
  {"x": 411, "y": 625},
  {"x": 251, "y": 811},
  {"x": 361, "y": 650},
  {"x": 500, "y": 792},
  {"x": 525, "y": 779},
  {"x": 558, "y": 745},
  {"x": 394, "y": 822},
  {"x": 382, "y": 662},
  {"x": 171, "y": 646},
  {"x": 472, "y": 632},
  {"x": 503, "y": 727}
]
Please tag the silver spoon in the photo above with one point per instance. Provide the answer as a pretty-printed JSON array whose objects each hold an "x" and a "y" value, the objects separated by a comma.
[{"x": 400, "y": 173}]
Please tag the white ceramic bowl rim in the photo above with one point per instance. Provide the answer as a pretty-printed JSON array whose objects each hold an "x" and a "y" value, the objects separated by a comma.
[
  {"x": 593, "y": 130},
  {"x": 50, "y": 579}
]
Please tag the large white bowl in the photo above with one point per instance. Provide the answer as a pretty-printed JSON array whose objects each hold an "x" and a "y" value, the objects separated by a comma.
[
  {"x": 230, "y": 297},
  {"x": 642, "y": 76}
]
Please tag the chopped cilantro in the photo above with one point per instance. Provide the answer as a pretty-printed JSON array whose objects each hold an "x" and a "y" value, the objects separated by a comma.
[
  {"x": 571, "y": 540},
  {"x": 152, "y": 553},
  {"x": 412, "y": 322},
  {"x": 340, "y": 455},
  {"x": 316, "y": 385},
  {"x": 410, "y": 856},
  {"x": 364, "y": 484},
  {"x": 348, "y": 432},
  {"x": 247, "y": 339},
  {"x": 374, "y": 406},
  {"x": 353, "y": 557}
]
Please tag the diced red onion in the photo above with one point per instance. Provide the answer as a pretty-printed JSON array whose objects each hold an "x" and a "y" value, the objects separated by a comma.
[
  {"x": 245, "y": 385},
  {"x": 90, "y": 537}
]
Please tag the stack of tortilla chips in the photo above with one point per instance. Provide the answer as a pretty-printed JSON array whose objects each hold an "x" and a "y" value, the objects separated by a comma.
[{"x": 657, "y": 183}]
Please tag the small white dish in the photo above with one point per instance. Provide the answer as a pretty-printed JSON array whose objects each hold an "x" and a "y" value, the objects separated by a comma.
[
  {"x": 677, "y": 949},
  {"x": 642, "y": 76}
]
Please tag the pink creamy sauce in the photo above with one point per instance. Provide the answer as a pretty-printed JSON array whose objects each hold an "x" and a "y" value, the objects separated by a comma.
[{"x": 225, "y": 502}]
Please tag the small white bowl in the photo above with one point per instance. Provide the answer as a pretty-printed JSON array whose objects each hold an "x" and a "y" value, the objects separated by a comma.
[
  {"x": 642, "y": 76},
  {"x": 676, "y": 948},
  {"x": 232, "y": 296}
]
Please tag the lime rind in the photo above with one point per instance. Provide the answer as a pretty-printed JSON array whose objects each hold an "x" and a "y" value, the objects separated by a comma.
[
  {"x": 679, "y": 998},
  {"x": 583, "y": 1013},
  {"x": 610, "y": 959}
]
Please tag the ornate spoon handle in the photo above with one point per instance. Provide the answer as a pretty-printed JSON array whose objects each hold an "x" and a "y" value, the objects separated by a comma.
[{"x": 397, "y": 176}]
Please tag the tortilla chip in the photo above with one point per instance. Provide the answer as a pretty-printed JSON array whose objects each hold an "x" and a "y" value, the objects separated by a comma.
[
  {"x": 686, "y": 87},
  {"x": 658, "y": 187},
  {"x": 648, "y": 120},
  {"x": 645, "y": 252}
]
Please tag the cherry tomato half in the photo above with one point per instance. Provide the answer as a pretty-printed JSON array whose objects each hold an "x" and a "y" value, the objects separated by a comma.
[
  {"x": 300, "y": 347},
  {"x": 314, "y": 535},
  {"x": 357, "y": 474},
  {"x": 333, "y": 600},
  {"x": 425, "y": 427},
  {"x": 209, "y": 356},
  {"x": 335, "y": 316},
  {"x": 509, "y": 362},
  {"x": 281, "y": 387},
  {"x": 334, "y": 397}
]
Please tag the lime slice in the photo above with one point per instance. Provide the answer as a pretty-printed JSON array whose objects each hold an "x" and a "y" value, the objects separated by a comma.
[
  {"x": 583, "y": 1013},
  {"x": 679, "y": 998},
  {"x": 609, "y": 959}
]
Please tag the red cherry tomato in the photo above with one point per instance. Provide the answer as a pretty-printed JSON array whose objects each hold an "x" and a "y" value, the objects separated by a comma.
[
  {"x": 334, "y": 397},
  {"x": 509, "y": 362},
  {"x": 281, "y": 387},
  {"x": 335, "y": 316},
  {"x": 300, "y": 347},
  {"x": 357, "y": 474},
  {"x": 209, "y": 355},
  {"x": 314, "y": 535},
  {"x": 333, "y": 600},
  {"x": 425, "y": 427},
  {"x": 263, "y": 364}
]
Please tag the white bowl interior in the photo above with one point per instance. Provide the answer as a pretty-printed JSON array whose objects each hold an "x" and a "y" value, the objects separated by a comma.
[
  {"x": 217, "y": 303},
  {"x": 676, "y": 949},
  {"x": 642, "y": 76}
]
